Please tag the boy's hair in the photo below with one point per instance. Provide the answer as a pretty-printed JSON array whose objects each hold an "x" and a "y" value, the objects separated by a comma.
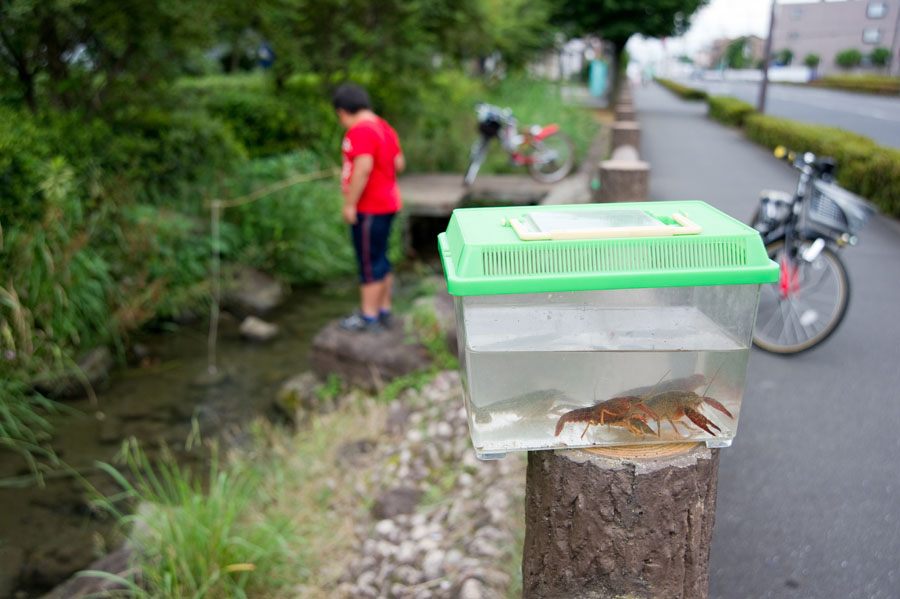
[{"x": 351, "y": 98}]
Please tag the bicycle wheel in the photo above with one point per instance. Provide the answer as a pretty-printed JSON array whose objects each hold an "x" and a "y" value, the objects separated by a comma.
[
  {"x": 552, "y": 157},
  {"x": 806, "y": 305},
  {"x": 476, "y": 158}
]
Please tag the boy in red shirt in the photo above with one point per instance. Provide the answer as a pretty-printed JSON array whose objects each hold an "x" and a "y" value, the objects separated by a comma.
[{"x": 372, "y": 158}]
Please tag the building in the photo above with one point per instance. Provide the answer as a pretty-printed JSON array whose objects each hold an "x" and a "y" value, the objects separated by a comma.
[{"x": 826, "y": 28}]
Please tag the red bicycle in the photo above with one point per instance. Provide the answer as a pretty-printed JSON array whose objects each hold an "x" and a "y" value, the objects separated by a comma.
[{"x": 548, "y": 153}]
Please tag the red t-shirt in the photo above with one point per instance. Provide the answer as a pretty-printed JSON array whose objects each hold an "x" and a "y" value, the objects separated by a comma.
[{"x": 378, "y": 139}]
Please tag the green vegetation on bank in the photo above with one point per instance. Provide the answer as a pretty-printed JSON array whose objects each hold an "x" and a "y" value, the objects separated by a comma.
[
  {"x": 864, "y": 167},
  {"x": 872, "y": 84},
  {"x": 105, "y": 223},
  {"x": 682, "y": 91}
]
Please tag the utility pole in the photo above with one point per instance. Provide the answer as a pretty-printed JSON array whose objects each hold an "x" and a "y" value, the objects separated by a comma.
[{"x": 767, "y": 57}]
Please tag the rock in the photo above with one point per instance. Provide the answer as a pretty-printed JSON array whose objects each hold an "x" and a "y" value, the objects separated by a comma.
[
  {"x": 386, "y": 529},
  {"x": 56, "y": 560},
  {"x": 433, "y": 564},
  {"x": 396, "y": 501},
  {"x": 258, "y": 330},
  {"x": 471, "y": 588},
  {"x": 354, "y": 452},
  {"x": 408, "y": 575},
  {"x": 406, "y": 554},
  {"x": 366, "y": 359},
  {"x": 397, "y": 418},
  {"x": 94, "y": 366},
  {"x": 114, "y": 563},
  {"x": 253, "y": 292},
  {"x": 298, "y": 394},
  {"x": 366, "y": 579}
]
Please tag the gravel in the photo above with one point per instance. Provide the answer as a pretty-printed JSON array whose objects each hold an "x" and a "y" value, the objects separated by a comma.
[{"x": 456, "y": 543}]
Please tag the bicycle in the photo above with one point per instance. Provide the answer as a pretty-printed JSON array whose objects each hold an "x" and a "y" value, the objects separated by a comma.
[
  {"x": 803, "y": 233},
  {"x": 548, "y": 153}
]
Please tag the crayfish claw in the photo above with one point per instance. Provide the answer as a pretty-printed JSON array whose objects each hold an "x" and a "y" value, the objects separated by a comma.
[
  {"x": 718, "y": 405},
  {"x": 701, "y": 421}
]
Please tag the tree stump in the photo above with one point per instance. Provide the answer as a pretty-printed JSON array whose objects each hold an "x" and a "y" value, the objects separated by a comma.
[
  {"x": 615, "y": 522},
  {"x": 623, "y": 180},
  {"x": 626, "y": 112},
  {"x": 626, "y": 133}
]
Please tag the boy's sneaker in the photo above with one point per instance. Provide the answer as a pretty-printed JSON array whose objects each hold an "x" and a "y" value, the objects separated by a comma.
[
  {"x": 356, "y": 322},
  {"x": 386, "y": 319}
]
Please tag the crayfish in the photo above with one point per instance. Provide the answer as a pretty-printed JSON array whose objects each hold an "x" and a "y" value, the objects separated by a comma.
[
  {"x": 627, "y": 411},
  {"x": 672, "y": 404}
]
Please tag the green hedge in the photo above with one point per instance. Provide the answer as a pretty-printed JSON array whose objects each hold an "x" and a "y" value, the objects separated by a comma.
[
  {"x": 685, "y": 92},
  {"x": 872, "y": 84},
  {"x": 728, "y": 110},
  {"x": 864, "y": 167}
]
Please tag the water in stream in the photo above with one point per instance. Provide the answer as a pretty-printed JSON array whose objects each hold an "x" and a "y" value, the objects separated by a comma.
[{"x": 45, "y": 531}]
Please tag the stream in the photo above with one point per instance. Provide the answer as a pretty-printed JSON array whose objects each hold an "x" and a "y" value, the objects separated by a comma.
[{"x": 47, "y": 533}]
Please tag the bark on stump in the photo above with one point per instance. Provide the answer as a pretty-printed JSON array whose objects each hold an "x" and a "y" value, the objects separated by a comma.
[
  {"x": 600, "y": 526},
  {"x": 626, "y": 112},
  {"x": 623, "y": 181},
  {"x": 626, "y": 133}
]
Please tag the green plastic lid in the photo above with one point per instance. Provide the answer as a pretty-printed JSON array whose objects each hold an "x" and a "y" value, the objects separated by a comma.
[{"x": 542, "y": 249}]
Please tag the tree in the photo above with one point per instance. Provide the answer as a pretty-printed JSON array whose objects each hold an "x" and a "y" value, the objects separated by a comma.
[
  {"x": 848, "y": 59},
  {"x": 617, "y": 20},
  {"x": 87, "y": 53},
  {"x": 396, "y": 41},
  {"x": 880, "y": 57},
  {"x": 784, "y": 57},
  {"x": 812, "y": 61},
  {"x": 737, "y": 55}
]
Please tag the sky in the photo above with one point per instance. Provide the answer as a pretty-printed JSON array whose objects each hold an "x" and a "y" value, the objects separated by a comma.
[{"x": 720, "y": 18}]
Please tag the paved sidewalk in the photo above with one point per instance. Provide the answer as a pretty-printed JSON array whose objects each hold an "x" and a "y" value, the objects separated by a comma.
[{"x": 809, "y": 495}]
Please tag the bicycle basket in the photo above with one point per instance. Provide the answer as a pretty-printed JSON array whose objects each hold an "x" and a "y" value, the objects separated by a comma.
[
  {"x": 835, "y": 208},
  {"x": 489, "y": 127}
]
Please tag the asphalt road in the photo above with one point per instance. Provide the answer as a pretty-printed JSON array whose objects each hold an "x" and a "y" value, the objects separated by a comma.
[
  {"x": 877, "y": 117},
  {"x": 809, "y": 494}
]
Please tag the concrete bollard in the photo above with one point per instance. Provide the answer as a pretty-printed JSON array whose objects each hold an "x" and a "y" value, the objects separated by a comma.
[
  {"x": 626, "y": 133},
  {"x": 623, "y": 178},
  {"x": 619, "y": 522}
]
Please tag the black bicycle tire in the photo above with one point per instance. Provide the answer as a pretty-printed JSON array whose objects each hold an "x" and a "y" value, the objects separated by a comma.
[
  {"x": 832, "y": 325},
  {"x": 476, "y": 160},
  {"x": 562, "y": 172}
]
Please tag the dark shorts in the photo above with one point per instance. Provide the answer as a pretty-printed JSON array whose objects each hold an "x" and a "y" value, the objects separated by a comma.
[{"x": 370, "y": 239}]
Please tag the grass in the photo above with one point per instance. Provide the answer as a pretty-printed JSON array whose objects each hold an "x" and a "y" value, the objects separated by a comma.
[{"x": 273, "y": 521}]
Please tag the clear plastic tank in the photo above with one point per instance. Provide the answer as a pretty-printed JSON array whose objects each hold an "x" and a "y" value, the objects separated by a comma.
[
  {"x": 614, "y": 367},
  {"x": 603, "y": 324}
]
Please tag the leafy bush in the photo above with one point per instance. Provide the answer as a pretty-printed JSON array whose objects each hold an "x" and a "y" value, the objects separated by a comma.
[
  {"x": 266, "y": 121},
  {"x": 811, "y": 60},
  {"x": 784, "y": 57},
  {"x": 875, "y": 84},
  {"x": 683, "y": 91},
  {"x": 864, "y": 167},
  {"x": 728, "y": 110},
  {"x": 880, "y": 57},
  {"x": 848, "y": 59}
]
